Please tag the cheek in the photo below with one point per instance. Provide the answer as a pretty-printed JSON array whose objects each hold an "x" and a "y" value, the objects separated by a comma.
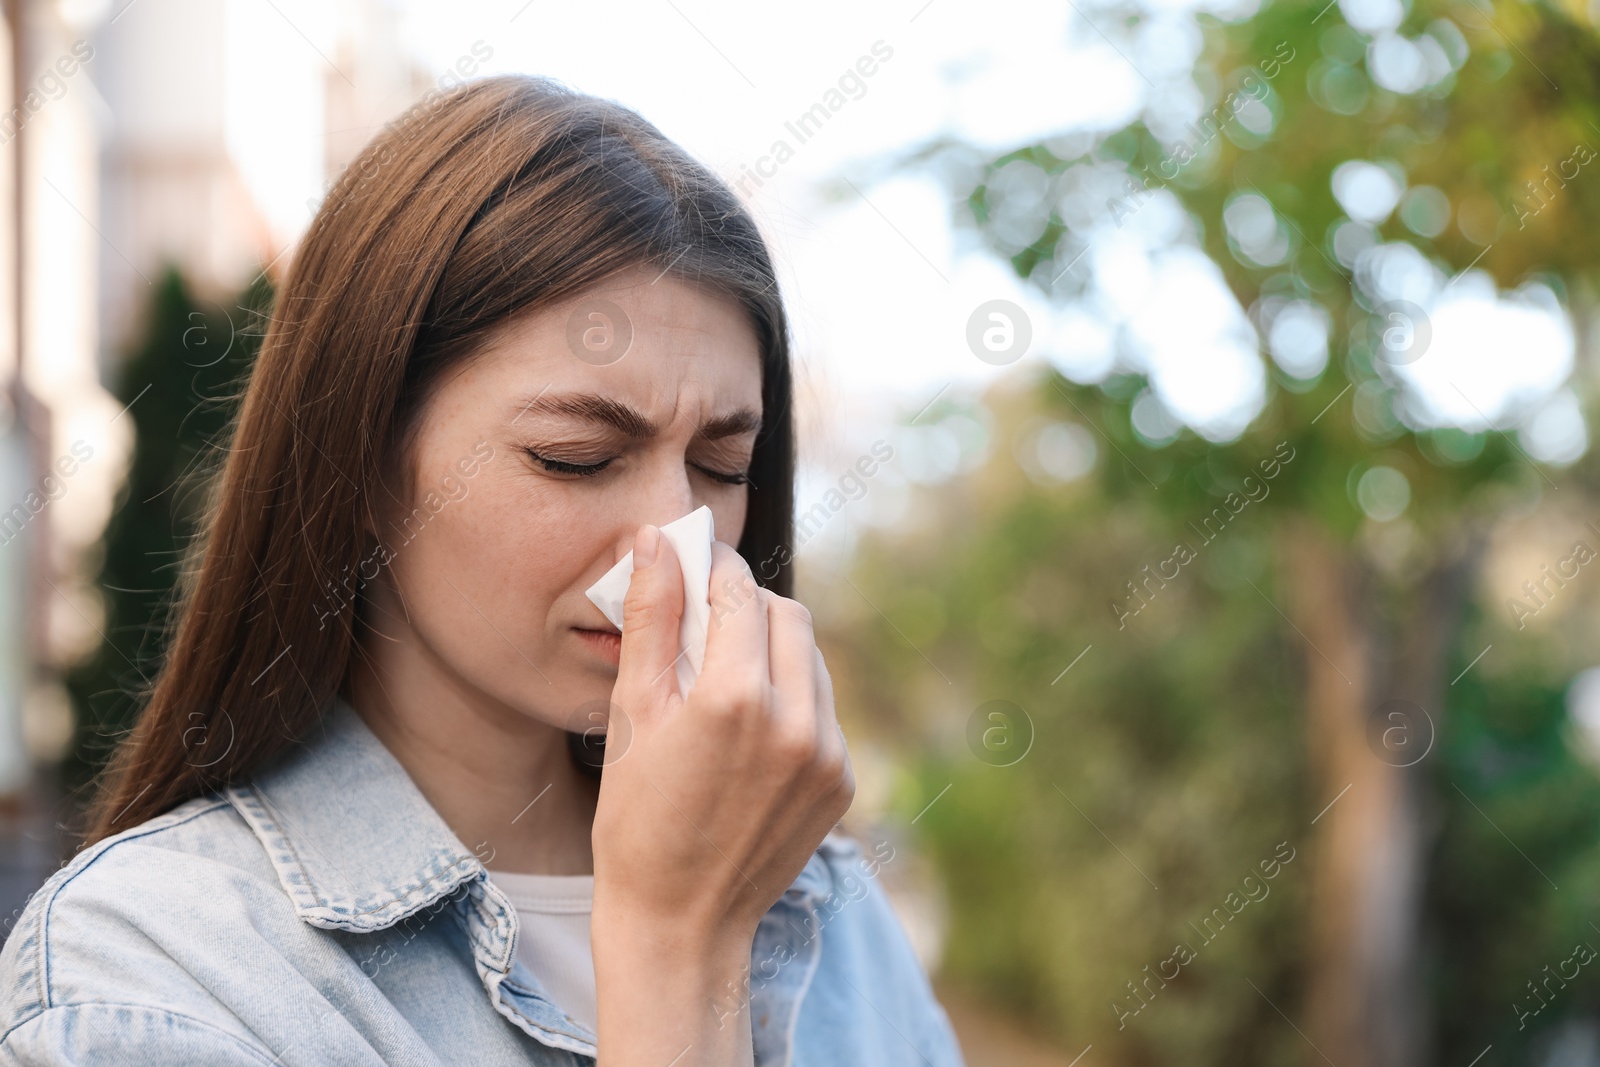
[
  {"x": 478, "y": 583},
  {"x": 729, "y": 515}
]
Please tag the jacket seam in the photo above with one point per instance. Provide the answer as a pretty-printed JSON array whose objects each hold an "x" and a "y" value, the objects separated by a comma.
[
  {"x": 277, "y": 823},
  {"x": 492, "y": 916},
  {"x": 461, "y": 864},
  {"x": 524, "y": 991},
  {"x": 800, "y": 994},
  {"x": 403, "y": 897},
  {"x": 164, "y": 1013},
  {"x": 102, "y": 848},
  {"x": 547, "y": 1036}
]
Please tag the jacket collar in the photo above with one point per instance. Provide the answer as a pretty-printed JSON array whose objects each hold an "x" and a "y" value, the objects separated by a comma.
[{"x": 358, "y": 847}]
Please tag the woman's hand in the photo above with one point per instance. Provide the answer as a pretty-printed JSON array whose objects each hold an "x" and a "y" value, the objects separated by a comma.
[{"x": 711, "y": 810}]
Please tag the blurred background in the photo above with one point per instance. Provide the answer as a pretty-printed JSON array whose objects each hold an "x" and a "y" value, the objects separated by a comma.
[{"x": 1197, "y": 501}]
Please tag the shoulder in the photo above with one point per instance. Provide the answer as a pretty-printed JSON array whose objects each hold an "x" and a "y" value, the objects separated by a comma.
[
  {"x": 124, "y": 934},
  {"x": 856, "y": 906},
  {"x": 867, "y": 968}
]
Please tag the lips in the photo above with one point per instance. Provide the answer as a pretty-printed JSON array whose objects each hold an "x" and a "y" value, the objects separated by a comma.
[{"x": 606, "y": 642}]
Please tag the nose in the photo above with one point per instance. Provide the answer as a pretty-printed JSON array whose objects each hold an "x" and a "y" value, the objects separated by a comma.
[{"x": 663, "y": 494}]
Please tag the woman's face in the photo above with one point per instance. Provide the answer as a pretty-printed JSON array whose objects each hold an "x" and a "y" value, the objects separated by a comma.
[{"x": 535, "y": 464}]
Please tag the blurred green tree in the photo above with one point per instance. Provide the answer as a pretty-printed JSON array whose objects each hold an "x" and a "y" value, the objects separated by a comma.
[
  {"x": 180, "y": 378},
  {"x": 1123, "y": 804},
  {"x": 1472, "y": 127},
  {"x": 1506, "y": 919}
]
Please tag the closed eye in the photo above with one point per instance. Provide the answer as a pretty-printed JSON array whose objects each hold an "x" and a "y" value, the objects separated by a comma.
[
  {"x": 561, "y": 466},
  {"x": 585, "y": 470},
  {"x": 727, "y": 478}
]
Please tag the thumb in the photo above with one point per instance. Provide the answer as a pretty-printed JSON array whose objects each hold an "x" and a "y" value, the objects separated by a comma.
[{"x": 650, "y": 620}]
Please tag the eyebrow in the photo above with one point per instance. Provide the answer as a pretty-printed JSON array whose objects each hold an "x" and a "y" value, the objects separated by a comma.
[{"x": 591, "y": 407}]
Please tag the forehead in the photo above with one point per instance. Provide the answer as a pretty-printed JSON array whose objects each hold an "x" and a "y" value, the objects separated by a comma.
[{"x": 645, "y": 336}]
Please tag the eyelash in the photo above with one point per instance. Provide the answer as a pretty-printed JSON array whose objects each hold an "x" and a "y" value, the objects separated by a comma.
[{"x": 588, "y": 470}]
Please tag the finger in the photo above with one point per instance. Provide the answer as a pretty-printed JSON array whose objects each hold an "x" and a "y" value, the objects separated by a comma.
[
  {"x": 736, "y": 638},
  {"x": 650, "y": 619},
  {"x": 835, "y": 747},
  {"x": 792, "y": 655},
  {"x": 824, "y": 678},
  {"x": 832, "y": 744}
]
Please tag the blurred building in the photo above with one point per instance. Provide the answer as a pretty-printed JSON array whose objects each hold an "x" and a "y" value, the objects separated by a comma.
[
  {"x": 199, "y": 134},
  {"x": 59, "y": 432},
  {"x": 55, "y": 497},
  {"x": 225, "y": 122}
]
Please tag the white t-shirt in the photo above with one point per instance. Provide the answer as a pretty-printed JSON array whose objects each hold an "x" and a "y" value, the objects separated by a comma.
[{"x": 553, "y": 940}]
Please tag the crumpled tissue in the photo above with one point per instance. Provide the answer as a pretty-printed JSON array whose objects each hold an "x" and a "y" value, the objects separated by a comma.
[{"x": 690, "y": 537}]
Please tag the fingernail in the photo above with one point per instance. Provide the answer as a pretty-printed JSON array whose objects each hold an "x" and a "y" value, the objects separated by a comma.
[{"x": 645, "y": 545}]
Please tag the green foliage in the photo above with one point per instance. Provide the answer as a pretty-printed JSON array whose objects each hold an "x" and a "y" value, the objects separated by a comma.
[
  {"x": 181, "y": 379},
  {"x": 1181, "y": 736},
  {"x": 1478, "y": 136},
  {"x": 1515, "y": 870},
  {"x": 1167, "y": 756}
]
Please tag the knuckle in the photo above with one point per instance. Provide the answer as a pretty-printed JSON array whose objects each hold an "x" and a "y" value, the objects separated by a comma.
[
  {"x": 845, "y": 792},
  {"x": 844, "y": 789},
  {"x": 831, "y": 762},
  {"x": 751, "y": 695},
  {"x": 730, "y": 595},
  {"x": 792, "y": 610},
  {"x": 728, "y": 566},
  {"x": 740, "y": 697},
  {"x": 641, "y": 613},
  {"x": 796, "y": 748}
]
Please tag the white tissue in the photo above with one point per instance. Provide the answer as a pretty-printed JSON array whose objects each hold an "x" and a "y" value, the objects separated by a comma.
[{"x": 690, "y": 537}]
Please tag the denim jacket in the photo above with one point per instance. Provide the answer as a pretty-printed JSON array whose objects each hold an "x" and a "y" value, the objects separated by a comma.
[{"x": 325, "y": 914}]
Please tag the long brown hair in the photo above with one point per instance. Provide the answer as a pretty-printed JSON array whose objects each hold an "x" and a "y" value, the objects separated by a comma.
[{"x": 501, "y": 196}]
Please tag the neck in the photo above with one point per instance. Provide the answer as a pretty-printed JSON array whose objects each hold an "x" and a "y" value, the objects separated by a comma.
[{"x": 502, "y": 781}]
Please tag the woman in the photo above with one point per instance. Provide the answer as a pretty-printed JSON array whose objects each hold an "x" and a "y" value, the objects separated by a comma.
[{"x": 524, "y": 332}]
